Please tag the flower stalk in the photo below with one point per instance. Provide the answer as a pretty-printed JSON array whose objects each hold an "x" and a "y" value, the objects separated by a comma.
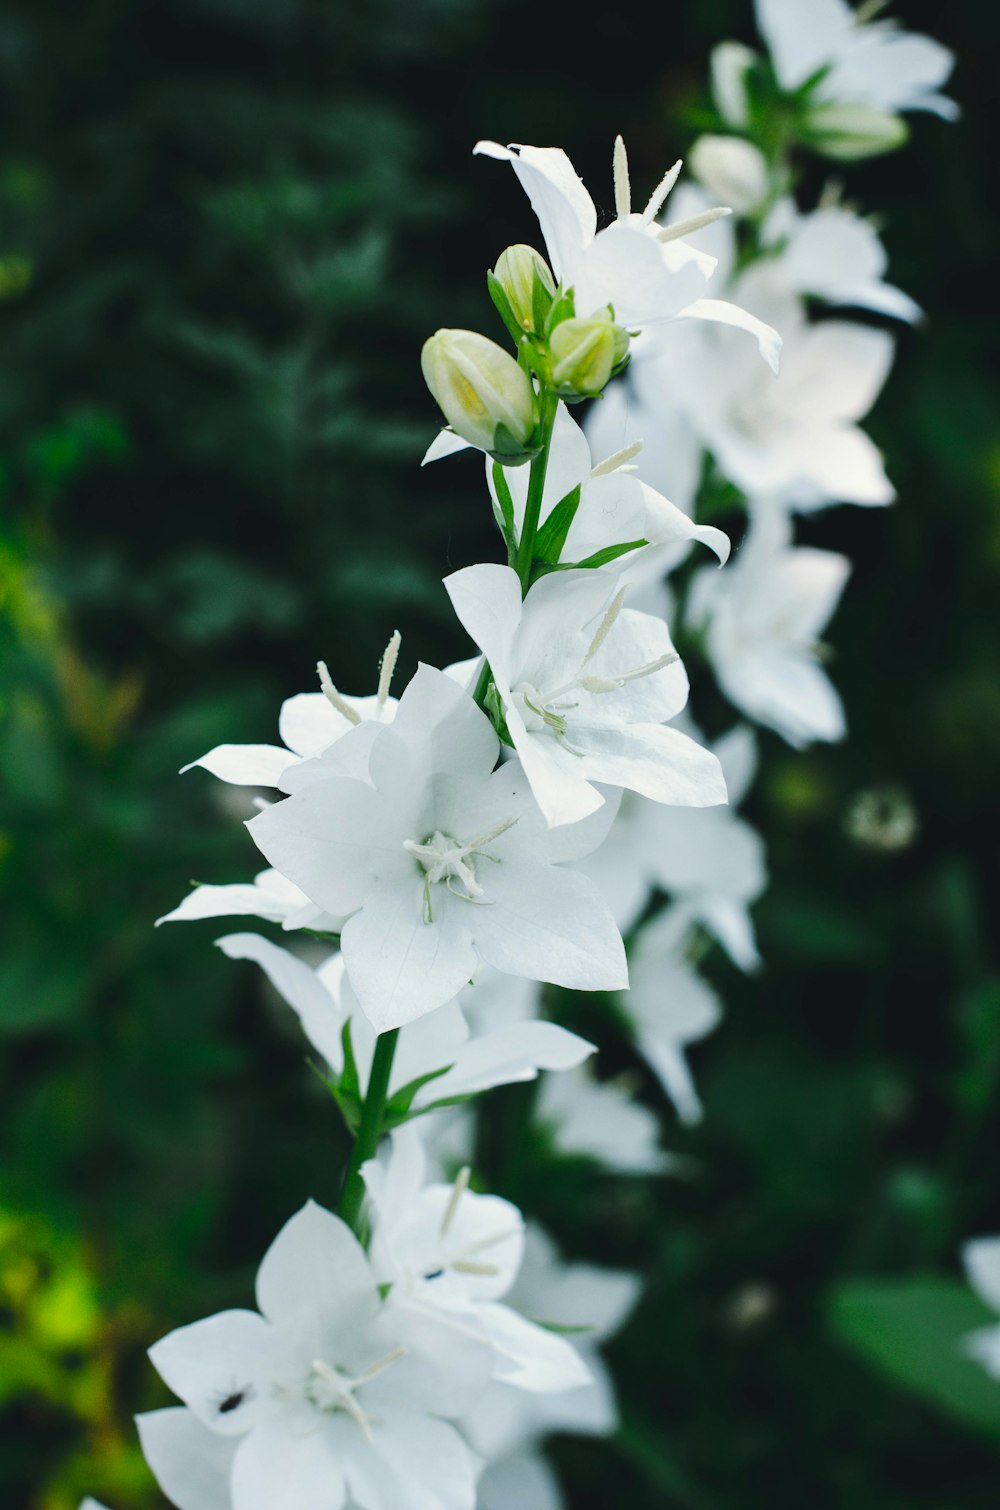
[{"x": 370, "y": 1129}]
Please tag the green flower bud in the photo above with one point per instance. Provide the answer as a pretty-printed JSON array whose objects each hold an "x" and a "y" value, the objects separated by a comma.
[
  {"x": 526, "y": 279},
  {"x": 849, "y": 132},
  {"x": 486, "y": 397},
  {"x": 585, "y": 353}
]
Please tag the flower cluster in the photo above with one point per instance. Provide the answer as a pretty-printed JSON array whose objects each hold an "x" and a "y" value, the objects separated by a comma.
[{"x": 546, "y": 813}]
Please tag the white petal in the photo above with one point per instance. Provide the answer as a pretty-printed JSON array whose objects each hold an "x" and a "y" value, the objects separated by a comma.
[
  {"x": 278, "y": 1467},
  {"x": 401, "y": 965},
  {"x": 414, "y": 1463},
  {"x": 532, "y": 1358},
  {"x": 191, "y": 1464},
  {"x": 572, "y": 1294},
  {"x": 524, "y": 1480},
  {"x": 550, "y": 924},
  {"x": 442, "y": 727},
  {"x": 242, "y": 898},
  {"x": 315, "y": 1276},
  {"x": 445, "y": 443},
  {"x": 802, "y": 38},
  {"x": 658, "y": 762},
  {"x": 558, "y": 197},
  {"x": 644, "y": 281},
  {"x": 487, "y": 602},
  {"x": 245, "y": 765},
  {"x": 224, "y": 1369},
  {"x": 513, "y": 1053},
  {"x": 321, "y": 1019},
  {"x": 309, "y": 723},
  {"x": 982, "y": 1264},
  {"x": 721, "y": 312}
]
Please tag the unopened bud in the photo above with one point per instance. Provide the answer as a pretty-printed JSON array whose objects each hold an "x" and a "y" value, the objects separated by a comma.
[
  {"x": 733, "y": 171},
  {"x": 486, "y": 397},
  {"x": 585, "y": 353},
  {"x": 526, "y": 279},
  {"x": 848, "y": 132},
  {"x": 731, "y": 62}
]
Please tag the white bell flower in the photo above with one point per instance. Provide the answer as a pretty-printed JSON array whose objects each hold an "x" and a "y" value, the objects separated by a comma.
[
  {"x": 647, "y": 272},
  {"x": 585, "y": 686},
  {"x": 269, "y": 895},
  {"x": 615, "y": 505},
  {"x": 601, "y": 1120},
  {"x": 309, "y": 723},
  {"x": 329, "y": 1394},
  {"x": 441, "y": 863},
  {"x": 443, "y": 1247},
  {"x": 709, "y": 860},
  {"x": 833, "y": 254},
  {"x": 982, "y": 1266},
  {"x": 324, "y": 1002},
  {"x": 506, "y": 1427},
  {"x": 872, "y": 63},
  {"x": 762, "y": 630},
  {"x": 669, "y": 1007},
  {"x": 732, "y": 169}
]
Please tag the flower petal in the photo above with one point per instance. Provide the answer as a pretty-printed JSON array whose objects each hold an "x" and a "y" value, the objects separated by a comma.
[
  {"x": 245, "y": 765},
  {"x": 321, "y": 1018},
  {"x": 315, "y": 1276},
  {"x": 279, "y": 1468},
  {"x": 191, "y": 1464},
  {"x": 550, "y": 924}
]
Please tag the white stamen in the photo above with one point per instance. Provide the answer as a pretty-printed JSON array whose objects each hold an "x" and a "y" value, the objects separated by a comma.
[
  {"x": 465, "y": 1266},
  {"x": 617, "y": 462},
  {"x": 693, "y": 223},
  {"x": 623, "y": 189},
  {"x": 868, "y": 11},
  {"x": 387, "y": 666},
  {"x": 659, "y": 194},
  {"x": 333, "y": 696},
  {"x": 599, "y": 684},
  {"x": 460, "y": 1187},
  {"x": 606, "y": 625}
]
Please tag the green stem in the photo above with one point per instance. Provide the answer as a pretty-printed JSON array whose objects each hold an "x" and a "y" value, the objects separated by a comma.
[
  {"x": 370, "y": 1130},
  {"x": 525, "y": 558}
]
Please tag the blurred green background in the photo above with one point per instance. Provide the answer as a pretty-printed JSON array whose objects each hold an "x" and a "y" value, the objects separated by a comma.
[{"x": 225, "y": 228}]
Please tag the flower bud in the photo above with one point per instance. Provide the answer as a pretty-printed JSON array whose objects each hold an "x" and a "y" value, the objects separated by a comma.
[
  {"x": 526, "y": 279},
  {"x": 486, "y": 397},
  {"x": 848, "y": 132},
  {"x": 734, "y": 171},
  {"x": 730, "y": 64},
  {"x": 585, "y": 353}
]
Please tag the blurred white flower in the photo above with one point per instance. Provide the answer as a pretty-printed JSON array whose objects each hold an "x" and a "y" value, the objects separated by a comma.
[
  {"x": 709, "y": 860},
  {"x": 732, "y": 169},
  {"x": 601, "y": 1120},
  {"x": 866, "y": 62},
  {"x": 982, "y": 1266},
  {"x": 440, "y": 862},
  {"x": 669, "y": 1007},
  {"x": 833, "y": 254},
  {"x": 762, "y": 620},
  {"x": 506, "y": 1427},
  {"x": 585, "y": 688}
]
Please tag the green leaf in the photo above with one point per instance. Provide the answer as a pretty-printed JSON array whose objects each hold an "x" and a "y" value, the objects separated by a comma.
[
  {"x": 349, "y": 1084},
  {"x": 506, "y": 505},
  {"x": 551, "y": 537},
  {"x": 599, "y": 558},
  {"x": 397, "y": 1108},
  {"x": 498, "y": 294},
  {"x": 912, "y": 1331},
  {"x": 563, "y": 308}
]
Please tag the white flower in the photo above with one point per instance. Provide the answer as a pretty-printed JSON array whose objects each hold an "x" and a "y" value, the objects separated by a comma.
[
  {"x": 669, "y": 1006},
  {"x": 709, "y": 860},
  {"x": 615, "y": 507},
  {"x": 762, "y": 620},
  {"x": 982, "y": 1265},
  {"x": 191, "y": 1464},
  {"x": 796, "y": 439},
  {"x": 506, "y": 1427},
  {"x": 331, "y": 1393},
  {"x": 92, "y": 1504},
  {"x": 601, "y": 1120},
  {"x": 442, "y": 1247},
  {"x": 324, "y": 1002},
  {"x": 732, "y": 169},
  {"x": 878, "y": 65},
  {"x": 832, "y": 254},
  {"x": 647, "y": 272},
  {"x": 270, "y": 895},
  {"x": 441, "y": 863},
  {"x": 309, "y": 723},
  {"x": 585, "y": 686}
]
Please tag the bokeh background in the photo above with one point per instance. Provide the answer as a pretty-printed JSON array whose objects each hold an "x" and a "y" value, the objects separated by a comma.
[{"x": 225, "y": 228}]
